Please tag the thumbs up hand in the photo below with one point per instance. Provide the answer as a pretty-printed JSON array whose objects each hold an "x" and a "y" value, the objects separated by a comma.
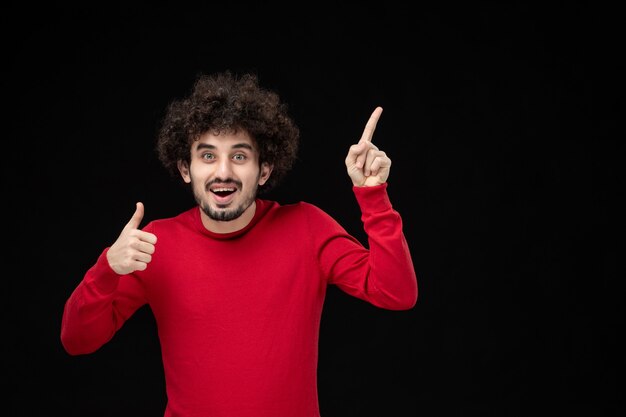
[{"x": 133, "y": 249}]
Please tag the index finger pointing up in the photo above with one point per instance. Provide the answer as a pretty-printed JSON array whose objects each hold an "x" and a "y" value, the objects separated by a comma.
[{"x": 368, "y": 132}]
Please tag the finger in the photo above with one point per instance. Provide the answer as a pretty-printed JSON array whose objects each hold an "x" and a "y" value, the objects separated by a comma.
[
  {"x": 139, "y": 266},
  {"x": 149, "y": 238},
  {"x": 135, "y": 221},
  {"x": 143, "y": 257},
  {"x": 381, "y": 161},
  {"x": 368, "y": 132},
  {"x": 356, "y": 155},
  {"x": 361, "y": 158},
  {"x": 364, "y": 152},
  {"x": 369, "y": 158},
  {"x": 145, "y": 246}
]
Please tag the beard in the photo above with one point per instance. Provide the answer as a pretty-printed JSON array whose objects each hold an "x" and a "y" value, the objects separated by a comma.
[{"x": 222, "y": 213}]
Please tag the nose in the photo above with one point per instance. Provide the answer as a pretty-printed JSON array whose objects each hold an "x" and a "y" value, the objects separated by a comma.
[{"x": 224, "y": 168}]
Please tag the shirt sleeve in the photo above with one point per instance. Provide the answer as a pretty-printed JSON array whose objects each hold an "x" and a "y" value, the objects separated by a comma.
[
  {"x": 382, "y": 274},
  {"x": 98, "y": 307}
]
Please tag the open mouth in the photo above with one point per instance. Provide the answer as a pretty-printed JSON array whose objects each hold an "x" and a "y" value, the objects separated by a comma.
[
  {"x": 223, "y": 191},
  {"x": 223, "y": 194}
]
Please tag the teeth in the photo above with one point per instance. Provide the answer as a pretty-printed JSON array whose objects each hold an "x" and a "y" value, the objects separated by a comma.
[{"x": 223, "y": 189}]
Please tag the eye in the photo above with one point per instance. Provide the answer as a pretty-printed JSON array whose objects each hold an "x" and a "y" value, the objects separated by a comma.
[
  {"x": 239, "y": 157},
  {"x": 207, "y": 156}
]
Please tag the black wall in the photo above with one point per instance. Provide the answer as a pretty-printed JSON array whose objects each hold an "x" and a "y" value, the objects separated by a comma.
[{"x": 504, "y": 125}]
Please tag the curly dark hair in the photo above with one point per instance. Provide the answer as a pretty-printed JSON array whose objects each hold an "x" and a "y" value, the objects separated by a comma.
[{"x": 225, "y": 102}]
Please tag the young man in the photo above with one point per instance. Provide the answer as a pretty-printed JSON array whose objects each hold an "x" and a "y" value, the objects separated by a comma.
[{"x": 237, "y": 283}]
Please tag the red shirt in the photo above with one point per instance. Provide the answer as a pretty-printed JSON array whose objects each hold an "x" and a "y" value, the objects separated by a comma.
[{"x": 238, "y": 314}]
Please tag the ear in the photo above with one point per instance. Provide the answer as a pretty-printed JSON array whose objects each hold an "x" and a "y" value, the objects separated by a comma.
[
  {"x": 183, "y": 168},
  {"x": 266, "y": 170}
]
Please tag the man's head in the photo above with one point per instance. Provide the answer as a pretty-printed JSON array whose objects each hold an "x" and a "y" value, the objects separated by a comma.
[{"x": 224, "y": 103}]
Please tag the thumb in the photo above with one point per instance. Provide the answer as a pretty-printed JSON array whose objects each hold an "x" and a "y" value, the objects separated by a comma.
[{"x": 135, "y": 221}]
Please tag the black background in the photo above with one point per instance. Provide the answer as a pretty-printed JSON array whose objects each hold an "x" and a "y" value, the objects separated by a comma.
[{"x": 504, "y": 125}]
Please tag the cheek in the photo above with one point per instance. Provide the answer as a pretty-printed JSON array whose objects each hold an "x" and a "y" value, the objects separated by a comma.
[
  {"x": 196, "y": 177},
  {"x": 199, "y": 170},
  {"x": 246, "y": 174}
]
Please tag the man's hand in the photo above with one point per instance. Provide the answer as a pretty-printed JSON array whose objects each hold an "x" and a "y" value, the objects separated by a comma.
[
  {"x": 133, "y": 249},
  {"x": 367, "y": 166}
]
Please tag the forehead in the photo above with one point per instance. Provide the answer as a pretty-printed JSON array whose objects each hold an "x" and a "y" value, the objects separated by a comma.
[{"x": 225, "y": 140}]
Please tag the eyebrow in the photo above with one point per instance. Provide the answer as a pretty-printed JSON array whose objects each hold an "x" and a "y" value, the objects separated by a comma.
[{"x": 235, "y": 146}]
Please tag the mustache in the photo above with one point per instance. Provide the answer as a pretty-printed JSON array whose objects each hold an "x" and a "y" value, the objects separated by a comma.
[{"x": 224, "y": 181}]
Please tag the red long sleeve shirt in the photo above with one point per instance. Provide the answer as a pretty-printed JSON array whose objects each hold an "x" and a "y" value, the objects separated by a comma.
[{"x": 238, "y": 314}]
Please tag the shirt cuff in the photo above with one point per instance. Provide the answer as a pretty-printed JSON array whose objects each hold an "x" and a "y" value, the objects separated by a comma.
[
  {"x": 103, "y": 276},
  {"x": 372, "y": 199}
]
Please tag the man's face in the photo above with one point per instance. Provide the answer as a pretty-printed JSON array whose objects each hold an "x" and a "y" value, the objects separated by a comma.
[{"x": 224, "y": 175}]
